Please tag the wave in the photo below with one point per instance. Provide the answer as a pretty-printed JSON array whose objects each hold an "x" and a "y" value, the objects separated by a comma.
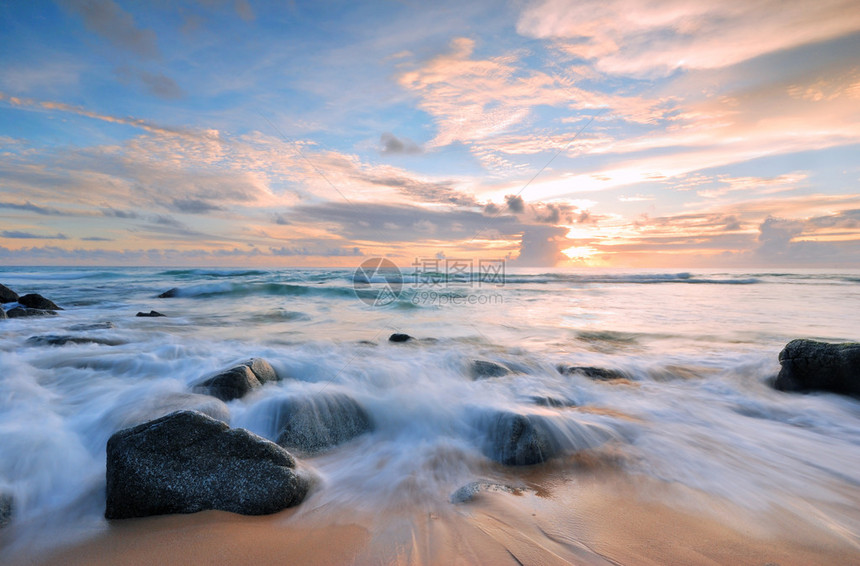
[{"x": 227, "y": 289}]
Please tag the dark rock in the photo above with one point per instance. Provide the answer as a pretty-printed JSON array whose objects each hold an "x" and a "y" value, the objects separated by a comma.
[
  {"x": 230, "y": 384},
  {"x": 7, "y": 295},
  {"x": 55, "y": 340},
  {"x": 187, "y": 462},
  {"x": 20, "y": 312},
  {"x": 516, "y": 439},
  {"x": 93, "y": 326},
  {"x": 396, "y": 337},
  {"x": 7, "y": 506},
  {"x": 262, "y": 370},
  {"x": 316, "y": 423},
  {"x": 169, "y": 293},
  {"x": 808, "y": 365},
  {"x": 483, "y": 369},
  {"x": 150, "y": 314},
  {"x": 598, "y": 374},
  {"x": 523, "y": 439},
  {"x": 36, "y": 301},
  {"x": 3, "y": 314}
]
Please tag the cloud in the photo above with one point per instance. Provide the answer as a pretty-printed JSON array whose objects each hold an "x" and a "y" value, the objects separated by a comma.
[
  {"x": 96, "y": 239},
  {"x": 244, "y": 10},
  {"x": 16, "y": 234},
  {"x": 117, "y": 213},
  {"x": 638, "y": 37},
  {"x": 515, "y": 203},
  {"x": 541, "y": 247},
  {"x": 161, "y": 85},
  {"x": 30, "y": 207},
  {"x": 194, "y": 206},
  {"x": 317, "y": 251},
  {"x": 392, "y": 145},
  {"x": 107, "y": 19}
]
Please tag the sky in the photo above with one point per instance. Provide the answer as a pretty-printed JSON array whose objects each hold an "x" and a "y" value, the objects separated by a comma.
[{"x": 548, "y": 133}]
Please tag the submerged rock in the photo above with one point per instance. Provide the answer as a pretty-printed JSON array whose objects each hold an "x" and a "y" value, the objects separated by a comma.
[
  {"x": 527, "y": 438},
  {"x": 169, "y": 293},
  {"x": 93, "y": 326},
  {"x": 808, "y": 365},
  {"x": 483, "y": 369},
  {"x": 7, "y": 506},
  {"x": 151, "y": 314},
  {"x": 57, "y": 340},
  {"x": 7, "y": 295},
  {"x": 187, "y": 462},
  {"x": 3, "y": 314},
  {"x": 516, "y": 439},
  {"x": 591, "y": 372},
  {"x": 36, "y": 301},
  {"x": 467, "y": 493},
  {"x": 21, "y": 312},
  {"x": 229, "y": 384},
  {"x": 398, "y": 337},
  {"x": 314, "y": 424}
]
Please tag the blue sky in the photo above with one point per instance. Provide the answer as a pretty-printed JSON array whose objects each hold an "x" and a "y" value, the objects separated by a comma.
[{"x": 550, "y": 133}]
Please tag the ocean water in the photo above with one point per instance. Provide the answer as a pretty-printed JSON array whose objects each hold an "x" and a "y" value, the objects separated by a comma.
[{"x": 698, "y": 349}]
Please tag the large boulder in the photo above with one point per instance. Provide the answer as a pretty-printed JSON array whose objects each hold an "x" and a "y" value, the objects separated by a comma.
[
  {"x": 527, "y": 438},
  {"x": 262, "y": 370},
  {"x": 316, "y": 423},
  {"x": 229, "y": 384},
  {"x": 187, "y": 462},
  {"x": 808, "y": 365},
  {"x": 36, "y": 301},
  {"x": 21, "y": 312},
  {"x": 7, "y": 295}
]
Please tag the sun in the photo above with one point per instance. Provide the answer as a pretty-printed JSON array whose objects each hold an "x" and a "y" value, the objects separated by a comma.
[{"x": 579, "y": 253}]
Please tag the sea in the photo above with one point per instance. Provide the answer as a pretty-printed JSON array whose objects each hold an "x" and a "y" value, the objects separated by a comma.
[{"x": 698, "y": 350}]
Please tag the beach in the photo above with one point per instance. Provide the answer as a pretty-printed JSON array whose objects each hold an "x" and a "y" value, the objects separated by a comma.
[{"x": 665, "y": 440}]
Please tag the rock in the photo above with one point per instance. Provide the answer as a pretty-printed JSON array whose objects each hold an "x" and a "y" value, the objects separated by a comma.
[
  {"x": 7, "y": 295},
  {"x": 55, "y": 340},
  {"x": 151, "y": 314},
  {"x": 808, "y": 365},
  {"x": 20, "y": 312},
  {"x": 595, "y": 373},
  {"x": 93, "y": 326},
  {"x": 3, "y": 314},
  {"x": 169, "y": 293},
  {"x": 526, "y": 438},
  {"x": 316, "y": 423},
  {"x": 467, "y": 493},
  {"x": 229, "y": 384},
  {"x": 7, "y": 506},
  {"x": 396, "y": 337},
  {"x": 483, "y": 369},
  {"x": 187, "y": 462},
  {"x": 550, "y": 401},
  {"x": 262, "y": 370},
  {"x": 36, "y": 301},
  {"x": 516, "y": 439}
]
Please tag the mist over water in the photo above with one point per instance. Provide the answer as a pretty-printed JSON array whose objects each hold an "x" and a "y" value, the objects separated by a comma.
[{"x": 698, "y": 349}]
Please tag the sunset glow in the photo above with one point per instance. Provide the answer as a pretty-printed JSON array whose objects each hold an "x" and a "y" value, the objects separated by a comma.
[{"x": 549, "y": 133}]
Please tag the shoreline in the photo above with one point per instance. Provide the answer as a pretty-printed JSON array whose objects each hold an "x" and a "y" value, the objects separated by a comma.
[{"x": 592, "y": 518}]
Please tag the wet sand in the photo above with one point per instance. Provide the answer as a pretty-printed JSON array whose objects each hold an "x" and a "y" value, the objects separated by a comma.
[{"x": 596, "y": 519}]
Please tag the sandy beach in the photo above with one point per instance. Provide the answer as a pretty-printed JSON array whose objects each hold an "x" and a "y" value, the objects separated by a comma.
[{"x": 592, "y": 518}]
